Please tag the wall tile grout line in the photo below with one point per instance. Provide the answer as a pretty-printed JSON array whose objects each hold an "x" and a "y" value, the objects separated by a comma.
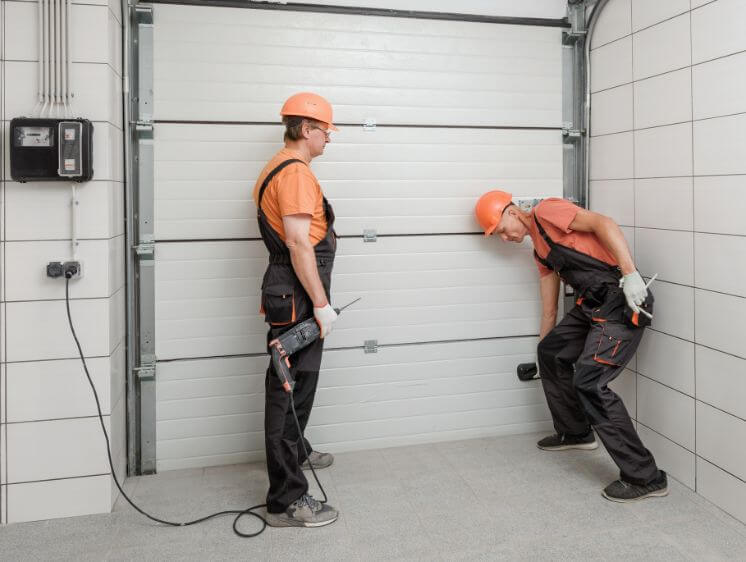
[
  {"x": 721, "y": 468},
  {"x": 694, "y": 256},
  {"x": 21, "y": 483},
  {"x": 731, "y": 414},
  {"x": 670, "y": 71},
  {"x": 700, "y": 120},
  {"x": 50, "y": 420},
  {"x": 3, "y": 315}
]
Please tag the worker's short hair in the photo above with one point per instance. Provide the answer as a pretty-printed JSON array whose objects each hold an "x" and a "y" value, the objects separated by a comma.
[{"x": 294, "y": 126}]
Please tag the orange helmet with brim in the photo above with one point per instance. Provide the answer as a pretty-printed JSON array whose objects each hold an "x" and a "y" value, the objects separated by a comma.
[
  {"x": 489, "y": 209},
  {"x": 308, "y": 104}
]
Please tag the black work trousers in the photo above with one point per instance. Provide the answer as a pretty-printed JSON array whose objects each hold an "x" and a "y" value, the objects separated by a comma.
[
  {"x": 285, "y": 454},
  {"x": 577, "y": 361}
]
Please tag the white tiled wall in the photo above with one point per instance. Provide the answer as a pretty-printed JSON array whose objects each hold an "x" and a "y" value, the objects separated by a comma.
[
  {"x": 685, "y": 158},
  {"x": 52, "y": 456}
]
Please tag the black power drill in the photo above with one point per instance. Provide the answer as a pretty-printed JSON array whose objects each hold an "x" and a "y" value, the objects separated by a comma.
[{"x": 295, "y": 339}]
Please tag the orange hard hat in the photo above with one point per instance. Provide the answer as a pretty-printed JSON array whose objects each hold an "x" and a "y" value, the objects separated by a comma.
[
  {"x": 307, "y": 104},
  {"x": 489, "y": 209}
]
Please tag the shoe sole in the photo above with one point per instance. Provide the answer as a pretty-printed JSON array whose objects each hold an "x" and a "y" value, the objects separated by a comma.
[
  {"x": 292, "y": 523},
  {"x": 655, "y": 494},
  {"x": 305, "y": 466},
  {"x": 580, "y": 446}
]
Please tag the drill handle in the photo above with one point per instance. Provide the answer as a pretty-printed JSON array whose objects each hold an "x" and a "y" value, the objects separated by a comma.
[{"x": 281, "y": 364}]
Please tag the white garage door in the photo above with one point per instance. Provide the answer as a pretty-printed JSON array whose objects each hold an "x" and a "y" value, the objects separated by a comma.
[{"x": 459, "y": 108}]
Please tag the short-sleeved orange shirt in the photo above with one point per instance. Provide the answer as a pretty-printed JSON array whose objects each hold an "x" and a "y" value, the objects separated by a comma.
[
  {"x": 555, "y": 216},
  {"x": 294, "y": 190}
]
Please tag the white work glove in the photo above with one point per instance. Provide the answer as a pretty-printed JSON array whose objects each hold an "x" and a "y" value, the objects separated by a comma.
[
  {"x": 635, "y": 290},
  {"x": 325, "y": 318}
]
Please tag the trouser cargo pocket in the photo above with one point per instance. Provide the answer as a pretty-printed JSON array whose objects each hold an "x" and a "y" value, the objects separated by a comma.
[
  {"x": 278, "y": 305},
  {"x": 612, "y": 346}
]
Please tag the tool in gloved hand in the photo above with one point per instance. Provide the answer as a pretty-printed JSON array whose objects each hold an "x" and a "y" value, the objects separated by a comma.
[
  {"x": 635, "y": 291},
  {"x": 295, "y": 339}
]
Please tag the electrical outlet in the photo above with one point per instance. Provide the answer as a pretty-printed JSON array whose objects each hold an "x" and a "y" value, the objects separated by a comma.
[
  {"x": 55, "y": 269},
  {"x": 73, "y": 269}
]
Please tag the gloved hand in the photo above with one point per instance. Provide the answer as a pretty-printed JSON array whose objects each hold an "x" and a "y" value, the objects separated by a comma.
[
  {"x": 325, "y": 318},
  {"x": 635, "y": 290}
]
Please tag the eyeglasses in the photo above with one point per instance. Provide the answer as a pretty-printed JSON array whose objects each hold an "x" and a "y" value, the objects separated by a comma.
[{"x": 326, "y": 133}]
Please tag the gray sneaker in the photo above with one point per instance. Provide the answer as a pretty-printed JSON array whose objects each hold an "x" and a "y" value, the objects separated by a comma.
[
  {"x": 621, "y": 491},
  {"x": 319, "y": 460},
  {"x": 563, "y": 442},
  {"x": 304, "y": 512}
]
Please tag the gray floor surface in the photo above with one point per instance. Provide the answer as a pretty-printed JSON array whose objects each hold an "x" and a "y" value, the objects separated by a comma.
[{"x": 484, "y": 499}]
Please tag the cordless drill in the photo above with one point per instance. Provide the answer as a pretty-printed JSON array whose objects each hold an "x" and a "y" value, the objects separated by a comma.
[{"x": 295, "y": 339}]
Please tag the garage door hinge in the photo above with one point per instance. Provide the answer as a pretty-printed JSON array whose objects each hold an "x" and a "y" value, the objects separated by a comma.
[
  {"x": 145, "y": 372},
  {"x": 144, "y": 14},
  {"x": 144, "y": 126},
  {"x": 370, "y": 235},
  {"x": 576, "y": 18},
  {"x": 145, "y": 249},
  {"x": 570, "y": 133},
  {"x": 369, "y": 125},
  {"x": 370, "y": 346}
]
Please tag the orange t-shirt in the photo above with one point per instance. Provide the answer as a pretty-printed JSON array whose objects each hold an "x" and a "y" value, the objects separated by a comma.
[
  {"x": 555, "y": 216},
  {"x": 294, "y": 190}
]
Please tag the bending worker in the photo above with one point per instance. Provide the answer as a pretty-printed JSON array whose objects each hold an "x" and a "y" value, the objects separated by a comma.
[
  {"x": 297, "y": 226},
  {"x": 588, "y": 349}
]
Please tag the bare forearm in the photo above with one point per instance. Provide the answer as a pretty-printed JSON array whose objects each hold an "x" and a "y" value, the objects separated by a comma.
[
  {"x": 549, "y": 289},
  {"x": 547, "y": 323},
  {"x": 612, "y": 238},
  {"x": 303, "y": 259}
]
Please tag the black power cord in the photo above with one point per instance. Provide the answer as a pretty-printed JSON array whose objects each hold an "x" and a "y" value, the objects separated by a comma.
[{"x": 237, "y": 512}]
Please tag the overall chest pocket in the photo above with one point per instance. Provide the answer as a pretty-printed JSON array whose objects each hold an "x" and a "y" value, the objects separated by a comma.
[{"x": 278, "y": 305}]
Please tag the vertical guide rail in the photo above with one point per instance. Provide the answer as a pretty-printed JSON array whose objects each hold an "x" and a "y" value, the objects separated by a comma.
[
  {"x": 141, "y": 248},
  {"x": 574, "y": 129}
]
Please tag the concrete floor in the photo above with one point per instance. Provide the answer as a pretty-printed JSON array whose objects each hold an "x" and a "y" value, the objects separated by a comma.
[{"x": 485, "y": 499}]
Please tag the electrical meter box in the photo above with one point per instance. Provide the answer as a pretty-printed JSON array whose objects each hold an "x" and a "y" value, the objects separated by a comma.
[{"x": 51, "y": 149}]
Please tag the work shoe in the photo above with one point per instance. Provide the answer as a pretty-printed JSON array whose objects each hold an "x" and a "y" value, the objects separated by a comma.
[
  {"x": 563, "y": 442},
  {"x": 621, "y": 491},
  {"x": 304, "y": 512},
  {"x": 319, "y": 460}
]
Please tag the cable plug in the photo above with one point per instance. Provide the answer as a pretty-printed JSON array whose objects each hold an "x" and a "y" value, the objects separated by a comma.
[{"x": 72, "y": 269}]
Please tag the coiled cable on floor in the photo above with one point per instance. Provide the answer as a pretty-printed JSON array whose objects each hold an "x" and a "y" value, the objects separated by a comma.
[{"x": 237, "y": 512}]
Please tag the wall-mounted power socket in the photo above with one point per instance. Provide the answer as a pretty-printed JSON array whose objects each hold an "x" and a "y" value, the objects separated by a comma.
[
  {"x": 68, "y": 269},
  {"x": 73, "y": 269}
]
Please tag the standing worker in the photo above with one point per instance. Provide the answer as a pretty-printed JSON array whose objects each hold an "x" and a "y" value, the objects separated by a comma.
[
  {"x": 588, "y": 349},
  {"x": 297, "y": 226}
]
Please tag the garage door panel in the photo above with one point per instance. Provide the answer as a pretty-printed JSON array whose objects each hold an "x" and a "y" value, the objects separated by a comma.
[
  {"x": 460, "y": 108},
  {"x": 530, "y": 107},
  {"x": 399, "y": 180},
  {"x": 433, "y": 425},
  {"x": 230, "y": 335},
  {"x": 211, "y": 410},
  {"x": 236, "y": 28},
  {"x": 386, "y": 68},
  {"x": 241, "y": 144},
  {"x": 539, "y": 63},
  {"x": 346, "y": 112},
  {"x": 208, "y": 306},
  {"x": 431, "y": 288},
  {"x": 227, "y": 18},
  {"x": 260, "y": 82}
]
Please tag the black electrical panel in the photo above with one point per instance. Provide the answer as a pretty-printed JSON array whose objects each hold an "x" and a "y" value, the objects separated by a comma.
[{"x": 51, "y": 149}]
